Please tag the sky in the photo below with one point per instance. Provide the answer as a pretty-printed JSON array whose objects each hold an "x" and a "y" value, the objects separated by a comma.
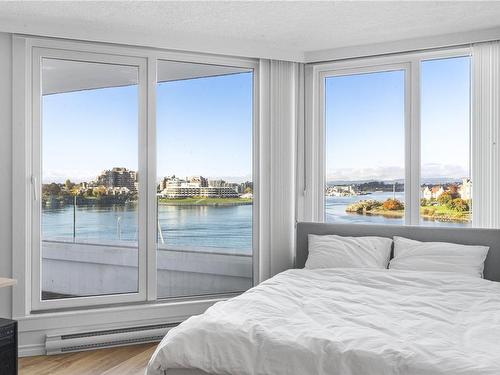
[
  {"x": 204, "y": 127},
  {"x": 365, "y": 123}
]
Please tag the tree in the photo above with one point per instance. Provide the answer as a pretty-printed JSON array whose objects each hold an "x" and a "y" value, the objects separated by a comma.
[
  {"x": 248, "y": 190},
  {"x": 460, "y": 205},
  {"x": 445, "y": 199},
  {"x": 75, "y": 191},
  {"x": 393, "y": 205},
  {"x": 52, "y": 189},
  {"x": 453, "y": 189},
  {"x": 69, "y": 185},
  {"x": 100, "y": 191}
]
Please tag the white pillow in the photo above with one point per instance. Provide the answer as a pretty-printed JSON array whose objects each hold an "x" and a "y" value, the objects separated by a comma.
[
  {"x": 334, "y": 251},
  {"x": 438, "y": 256}
]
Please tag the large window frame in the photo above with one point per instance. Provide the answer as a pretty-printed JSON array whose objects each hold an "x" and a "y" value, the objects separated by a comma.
[
  {"x": 314, "y": 142},
  {"x": 140, "y": 64},
  {"x": 28, "y": 53}
]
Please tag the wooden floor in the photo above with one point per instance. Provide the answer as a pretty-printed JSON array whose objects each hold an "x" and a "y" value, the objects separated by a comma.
[{"x": 125, "y": 360}]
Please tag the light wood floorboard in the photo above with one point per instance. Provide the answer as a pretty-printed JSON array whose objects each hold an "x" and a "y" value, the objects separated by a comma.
[{"x": 125, "y": 360}]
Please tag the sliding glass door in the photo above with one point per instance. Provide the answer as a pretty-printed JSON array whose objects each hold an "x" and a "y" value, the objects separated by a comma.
[
  {"x": 142, "y": 178},
  {"x": 89, "y": 243}
]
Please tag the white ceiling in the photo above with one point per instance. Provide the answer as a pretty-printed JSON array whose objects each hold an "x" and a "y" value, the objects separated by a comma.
[{"x": 276, "y": 29}]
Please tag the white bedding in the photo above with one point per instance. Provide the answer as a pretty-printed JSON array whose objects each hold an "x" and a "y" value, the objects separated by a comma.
[{"x": 344, "y": 321}]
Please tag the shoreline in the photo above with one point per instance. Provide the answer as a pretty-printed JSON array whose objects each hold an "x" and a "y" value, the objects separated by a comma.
[
  {"x": 206, "y": 202},
  {"x": 92, "y": 202},
  {"x": 400, "y": 214}
]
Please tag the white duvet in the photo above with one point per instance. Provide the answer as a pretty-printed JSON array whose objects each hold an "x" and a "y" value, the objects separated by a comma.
[{"x": 344, "y": 321}]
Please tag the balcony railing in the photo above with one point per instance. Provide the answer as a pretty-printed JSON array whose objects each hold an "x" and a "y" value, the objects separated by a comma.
[{"x": 86, "y": 268}]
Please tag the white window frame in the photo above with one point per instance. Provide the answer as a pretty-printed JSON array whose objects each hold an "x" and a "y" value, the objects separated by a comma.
[
  {"x": 38, "y": 55},
  {"x": 314, "y": 142},
  {"x": 27, "y": 52}
]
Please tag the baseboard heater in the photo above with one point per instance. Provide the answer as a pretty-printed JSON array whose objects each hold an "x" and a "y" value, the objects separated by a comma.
[{"x": 74, "y": 342}]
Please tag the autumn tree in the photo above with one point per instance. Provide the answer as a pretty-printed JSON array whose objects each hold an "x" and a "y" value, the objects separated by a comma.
[
  {"x": 393, "y": 205},
  {"x": 445, "y": 198},
  {"x": 460, "y": 205}
]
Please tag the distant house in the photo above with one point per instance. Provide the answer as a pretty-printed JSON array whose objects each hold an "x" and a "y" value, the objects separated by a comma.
[
  {"x": 427, "y": 193},
  {"x": 436, "y": 191},
  {"x": 433, "y": 192},
  {"x": 341, "y": 191},
  {"x": 465, "y": 190}
]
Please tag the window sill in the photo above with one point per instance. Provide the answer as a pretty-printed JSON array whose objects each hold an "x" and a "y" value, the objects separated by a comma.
[{"x": 33, "y": 328}]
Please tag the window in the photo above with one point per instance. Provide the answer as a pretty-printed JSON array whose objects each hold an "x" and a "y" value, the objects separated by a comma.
[
  {"x": 90, "y": 199},
  {"x": 204, "y": 170},
  {"x": 88, "y": 122},
  {"x": 142, "y": 177},
  {"x": 445, "y": 168},
  {"x": 391, "y": 140},
  {"x": 365, "y": 130}
]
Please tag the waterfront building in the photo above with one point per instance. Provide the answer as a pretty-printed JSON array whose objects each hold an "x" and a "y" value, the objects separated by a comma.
[
  {"x": 198, "y": 181},
  {"x": 197, "y": 186},
  {"x": 246, "y": 185},
  {"x": 189, "y": 191},
  {"x": 235, "y": 186},
  {"x": 118, "y": 177},
  {"x": 340, "y": 191},
  {"x": 216, "y": 183}
]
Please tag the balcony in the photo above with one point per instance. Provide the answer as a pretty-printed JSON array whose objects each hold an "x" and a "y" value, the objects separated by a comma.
[{"x": 74, "y": 269}]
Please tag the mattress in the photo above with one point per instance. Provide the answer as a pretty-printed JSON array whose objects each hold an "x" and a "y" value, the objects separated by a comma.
[{"x": 344, "y": 321}]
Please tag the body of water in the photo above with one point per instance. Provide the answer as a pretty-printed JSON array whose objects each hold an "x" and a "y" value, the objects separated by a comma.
[
  {"x": 192, "y": 227},
  {"x": 222, "y": 227},
  {"x": 335, "y": 211}
]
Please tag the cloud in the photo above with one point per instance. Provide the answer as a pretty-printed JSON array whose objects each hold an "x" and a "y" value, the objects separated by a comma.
[
  {"x": 448, "y": 171},
  {"x": 361, "y": 174},
  {"x": 434, "y": 170},
  {"x": 61, "y": 175}
]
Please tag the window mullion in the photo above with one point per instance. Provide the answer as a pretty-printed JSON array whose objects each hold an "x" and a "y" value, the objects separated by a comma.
[
  {"x": 152, "y": 223},
  {"x": 413, "y": 162}
]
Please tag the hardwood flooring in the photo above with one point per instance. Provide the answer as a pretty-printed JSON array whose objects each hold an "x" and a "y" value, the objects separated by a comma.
[{"x": 125, "y": 360}]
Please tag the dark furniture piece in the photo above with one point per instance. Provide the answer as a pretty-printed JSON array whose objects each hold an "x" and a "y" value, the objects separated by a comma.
[{"x": 8, "y": 347}]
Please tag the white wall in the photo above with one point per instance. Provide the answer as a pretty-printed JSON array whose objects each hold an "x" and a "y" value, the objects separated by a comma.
[{"x": 5, "y": 170}]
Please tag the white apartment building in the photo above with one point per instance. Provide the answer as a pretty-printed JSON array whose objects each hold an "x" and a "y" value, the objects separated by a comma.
[{"x": 188, "y": 190}]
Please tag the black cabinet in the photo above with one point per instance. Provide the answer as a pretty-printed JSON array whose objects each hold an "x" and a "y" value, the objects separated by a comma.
[{"x": 8, "y": 347}]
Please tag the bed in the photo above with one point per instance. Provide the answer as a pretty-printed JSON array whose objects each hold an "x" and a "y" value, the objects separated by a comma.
[{"x": 349, "y": 321}]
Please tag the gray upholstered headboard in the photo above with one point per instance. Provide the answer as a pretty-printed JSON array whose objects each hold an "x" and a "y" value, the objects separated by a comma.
[{"x": 469, "y": 236}]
